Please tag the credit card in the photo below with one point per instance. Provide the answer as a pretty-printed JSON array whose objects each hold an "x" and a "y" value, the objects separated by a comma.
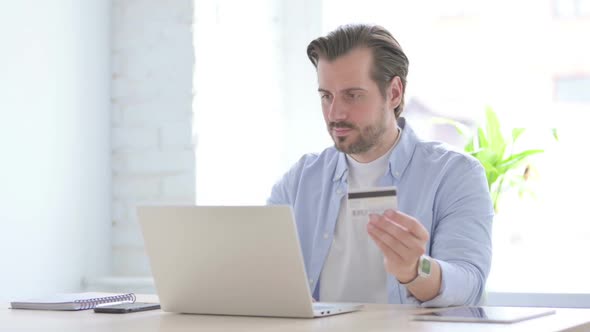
[{"x": 364, "y": 201}]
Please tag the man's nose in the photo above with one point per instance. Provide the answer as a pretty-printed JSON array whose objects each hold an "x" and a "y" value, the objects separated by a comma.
[{"x": 337, "y": 111}]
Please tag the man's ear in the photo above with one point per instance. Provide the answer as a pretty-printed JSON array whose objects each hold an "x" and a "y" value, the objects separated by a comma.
[{"x": 395, "y": 91}]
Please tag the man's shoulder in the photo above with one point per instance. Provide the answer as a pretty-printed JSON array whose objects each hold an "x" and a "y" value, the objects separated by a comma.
[
  {"x": 326, "y": 158},
  {"x": 440, "y": 153},
  {"x": 312, "y": 170}
]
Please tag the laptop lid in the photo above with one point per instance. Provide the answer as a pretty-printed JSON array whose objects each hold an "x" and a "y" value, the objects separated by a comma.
[{"x": 226, "y": 260}]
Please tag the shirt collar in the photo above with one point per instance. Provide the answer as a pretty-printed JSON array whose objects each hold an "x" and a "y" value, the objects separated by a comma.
[{"x": 399, "y": 158}]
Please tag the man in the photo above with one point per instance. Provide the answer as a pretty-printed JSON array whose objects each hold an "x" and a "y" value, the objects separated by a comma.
[{"x": 444, "y": 209}]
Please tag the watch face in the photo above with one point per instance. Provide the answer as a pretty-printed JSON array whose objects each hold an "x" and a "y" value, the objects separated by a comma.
[{"x": 425, "y": 266}]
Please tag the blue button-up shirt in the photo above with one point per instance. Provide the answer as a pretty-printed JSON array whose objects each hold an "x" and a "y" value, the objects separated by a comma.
[{"x": 444, "y": 189}]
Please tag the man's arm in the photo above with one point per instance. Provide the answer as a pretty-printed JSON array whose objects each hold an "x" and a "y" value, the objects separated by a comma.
[
  {"x": 460, "y": 241},
  {"x": 280, "y": 191},
  {"x": 284, "y": 190},
  {"x": 402, "y": 239},
  {"x": 426, "y": 289}
]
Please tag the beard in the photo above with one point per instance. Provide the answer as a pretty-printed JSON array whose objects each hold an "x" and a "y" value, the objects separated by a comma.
[{"x": 368, "y": 137}]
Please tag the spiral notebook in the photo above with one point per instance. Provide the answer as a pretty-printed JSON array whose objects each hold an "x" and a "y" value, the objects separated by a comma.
[{"x": 74, "y": 301}]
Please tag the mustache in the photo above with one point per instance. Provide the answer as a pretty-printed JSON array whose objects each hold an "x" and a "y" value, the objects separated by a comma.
[{"x": 341, "y": 124}]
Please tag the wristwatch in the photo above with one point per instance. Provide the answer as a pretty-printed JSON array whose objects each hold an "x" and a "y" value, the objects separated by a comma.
[
  {"x": 424, "y": 269},
  {"x": 424, "y": 266}
]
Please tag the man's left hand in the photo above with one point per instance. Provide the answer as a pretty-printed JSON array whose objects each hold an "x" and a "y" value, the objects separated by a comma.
[{"x": 402, "y": 239}]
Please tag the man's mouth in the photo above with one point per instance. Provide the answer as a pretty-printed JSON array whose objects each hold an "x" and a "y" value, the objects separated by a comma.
[{"x": 339, "y": 131}]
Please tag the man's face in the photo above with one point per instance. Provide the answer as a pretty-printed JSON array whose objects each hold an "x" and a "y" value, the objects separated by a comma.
[{"x": 358, "y": 118}]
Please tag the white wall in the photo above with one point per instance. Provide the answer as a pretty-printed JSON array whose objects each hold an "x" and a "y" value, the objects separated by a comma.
[
  {"x": 302, "y": 23},
  {"x": 256, "y": 94},
  {"x": 239, "y": 99},
  {"x": 54, "y": 143},
  {"x": 153, "y": 158}
]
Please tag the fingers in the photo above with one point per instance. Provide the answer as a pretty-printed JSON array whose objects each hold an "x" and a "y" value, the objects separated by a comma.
[
  {"x": 397, "y": 232},
  {"x": 403, "y": 246},
  {"x": 407, "y": 222},
  {"x": 387, "y": 251},
  {"x": 398, "y": 238}
]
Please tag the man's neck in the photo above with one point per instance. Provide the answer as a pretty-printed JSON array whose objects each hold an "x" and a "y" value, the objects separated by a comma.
[{"x": 380, "y": 149}]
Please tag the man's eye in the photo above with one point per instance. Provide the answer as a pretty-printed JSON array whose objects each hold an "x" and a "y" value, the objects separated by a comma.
[
  {"x": 325, "y": 96},
  {"x": 354, "y": 96}
]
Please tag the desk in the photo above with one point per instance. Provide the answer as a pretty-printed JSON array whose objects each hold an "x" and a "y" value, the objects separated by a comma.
[{"x": 374, "y": 317}]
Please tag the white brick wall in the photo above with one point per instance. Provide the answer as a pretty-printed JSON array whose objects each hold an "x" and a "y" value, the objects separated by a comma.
[
  {"x": 152, "y": 63},
  {"x": 175, "y": 136},
  {"x": 133, "y": 139},
  {"x": 151, "y": 106}
]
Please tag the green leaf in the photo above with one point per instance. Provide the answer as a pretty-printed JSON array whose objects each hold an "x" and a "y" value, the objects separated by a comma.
[
  {"x": 475, "y": 152},
  {"x": 491, "y": 173},
  {"x": 554, "y": 131},
  {"x": 469, "y": 146},
  {"x": 495, "y": 138},
  {"x": 481, "y": 138},
  {"x": 516, "y": 159},
  {"x": 516, "y": 132},
  {"x": 489, "y": 147},
  {"x": 486, "y": 155}
]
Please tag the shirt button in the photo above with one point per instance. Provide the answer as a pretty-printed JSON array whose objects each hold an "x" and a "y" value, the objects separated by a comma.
[
  {"x": 326, "y": 236},
  {"x": 397, "y": 174},
  {"x": 311, "y": 281},
  {"x": 339, "y": 191}
]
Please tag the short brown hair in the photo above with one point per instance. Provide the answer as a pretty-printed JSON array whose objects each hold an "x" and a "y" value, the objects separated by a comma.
[{"x": 389, "y": 59}]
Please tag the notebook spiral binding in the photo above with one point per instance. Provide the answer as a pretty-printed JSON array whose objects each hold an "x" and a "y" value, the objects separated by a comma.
[{"x": 92, "y": 303}]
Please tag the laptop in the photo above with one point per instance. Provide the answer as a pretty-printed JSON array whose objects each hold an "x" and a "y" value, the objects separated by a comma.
[{"x": 230, "y": 260}]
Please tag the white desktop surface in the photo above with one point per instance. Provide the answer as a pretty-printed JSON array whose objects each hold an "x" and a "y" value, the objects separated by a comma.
[{"x": 374, "y": 317}]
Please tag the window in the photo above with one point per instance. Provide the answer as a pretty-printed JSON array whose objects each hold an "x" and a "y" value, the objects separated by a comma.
[
  {"x": 255, "y": 94},
  {"x": 571, "y": 8},
  {"x": 573, "y": 89},
  {"x": 461, "y": 63}
]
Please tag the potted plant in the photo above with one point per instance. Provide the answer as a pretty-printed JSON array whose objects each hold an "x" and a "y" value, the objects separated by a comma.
[{"x": 503, "y": 165}]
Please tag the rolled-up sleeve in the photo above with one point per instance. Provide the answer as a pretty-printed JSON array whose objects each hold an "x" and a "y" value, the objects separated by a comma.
[{"x": 461, "y": 239}]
